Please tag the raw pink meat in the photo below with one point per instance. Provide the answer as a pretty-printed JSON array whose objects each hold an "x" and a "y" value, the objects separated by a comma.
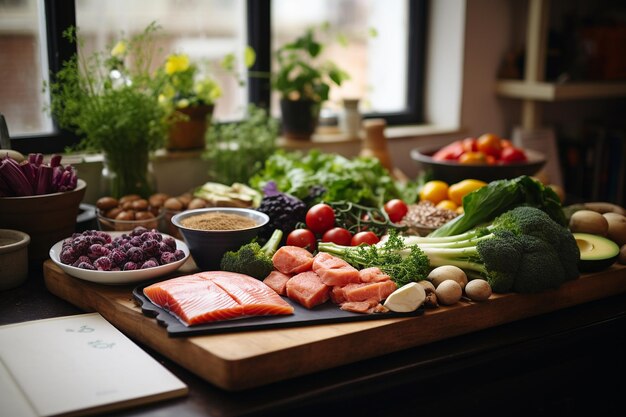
[
  {"x": 292, "y": 260},
  {"x": 307, "y": 289}
]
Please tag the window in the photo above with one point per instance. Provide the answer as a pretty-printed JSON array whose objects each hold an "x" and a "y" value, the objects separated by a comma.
[{"x": 386, "y": 70}]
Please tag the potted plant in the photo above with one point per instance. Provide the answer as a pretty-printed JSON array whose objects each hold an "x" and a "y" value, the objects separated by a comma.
[
  {"x": 304, "y": 80},
  {"x": 190, "y": 98},
  {"x": 237, "y": 151},
  {"x": 110, "y": 99}
]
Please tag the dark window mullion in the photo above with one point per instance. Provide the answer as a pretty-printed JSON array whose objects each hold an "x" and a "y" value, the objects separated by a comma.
[{"x": 259, "y": 38}]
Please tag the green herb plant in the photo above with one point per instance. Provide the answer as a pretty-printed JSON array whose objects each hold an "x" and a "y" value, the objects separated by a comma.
[
  {"x": 110, "y": 100},
  {"x": 237, "y": 151}
]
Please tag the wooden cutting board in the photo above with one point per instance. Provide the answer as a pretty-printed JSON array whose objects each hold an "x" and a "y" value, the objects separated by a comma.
[{"x": 238, "y": 361}]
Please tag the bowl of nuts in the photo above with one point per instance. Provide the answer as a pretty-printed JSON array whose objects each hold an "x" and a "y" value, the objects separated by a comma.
[{"x": 126, "y": 213}]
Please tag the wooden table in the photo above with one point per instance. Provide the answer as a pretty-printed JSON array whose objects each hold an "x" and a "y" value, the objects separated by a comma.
[{"x": 557, "y": 363}]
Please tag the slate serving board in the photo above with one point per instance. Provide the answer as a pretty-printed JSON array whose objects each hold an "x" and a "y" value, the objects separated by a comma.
[{"x": 321, "y": 314}]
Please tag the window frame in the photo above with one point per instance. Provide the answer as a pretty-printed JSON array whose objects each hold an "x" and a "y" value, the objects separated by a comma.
[{"x": 60, "y": 14}]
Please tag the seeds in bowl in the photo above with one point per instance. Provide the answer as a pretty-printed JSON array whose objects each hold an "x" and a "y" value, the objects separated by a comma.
[
  {"x": 425, "y": 215},
  {"x": 218, "y": 221}
]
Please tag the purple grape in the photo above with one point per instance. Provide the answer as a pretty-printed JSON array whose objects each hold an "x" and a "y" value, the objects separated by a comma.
[
  {"x": 86, "y": 265},
  {"x": 81, "y": 245},
  {"x": 130, "y": 266},
  {"x": 169, "y": 241},
  {"x": 150, "y": 247},
  {"x": 118, "y": 256},
  {"x": 167, "y": 258},
  {"x": 136, "y": 241},
  {"x": 97, "y": 250},
  {"x": 68, "y": 256},
  {"x": 135, "y": 254},
  {"x": 81, "y": 259},
  {"x": 103, "y": 264},
  {"x": 149, "y": 264},
  {"x": 138, "y": 231},
  {"x": 179, "y": 254}
]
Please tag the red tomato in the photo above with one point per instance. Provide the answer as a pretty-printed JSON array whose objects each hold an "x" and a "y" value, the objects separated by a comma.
[
  {"x": 369, "y": 238},
  {"x": 449, "y": 152},
  {"x": 396, "y": 209},
  {"x": 489, "y": 144},
  {"x": 320, "y": 218},
  {"x": 303, "y": 238},
  {"x": 338, "y": 235},
  {"x": 470, "y": 144},
  {"x": 512, "y": 154}
]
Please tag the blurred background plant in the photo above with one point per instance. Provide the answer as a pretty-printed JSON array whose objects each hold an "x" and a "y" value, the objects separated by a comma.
[{"x": 237, "y": 151}]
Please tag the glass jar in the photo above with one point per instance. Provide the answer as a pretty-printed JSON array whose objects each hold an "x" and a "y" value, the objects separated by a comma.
[{"x": 127, "y": 173}]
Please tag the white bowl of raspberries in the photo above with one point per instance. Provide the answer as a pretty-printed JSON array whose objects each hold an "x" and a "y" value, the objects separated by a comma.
[{"x": 119, "y": 257}]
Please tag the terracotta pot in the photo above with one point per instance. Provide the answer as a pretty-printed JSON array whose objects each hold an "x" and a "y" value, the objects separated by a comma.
[
  {"x": 45, "y": 218},
  {"x": 299, "y": 118},
  {"x": 190, "y": 134}
]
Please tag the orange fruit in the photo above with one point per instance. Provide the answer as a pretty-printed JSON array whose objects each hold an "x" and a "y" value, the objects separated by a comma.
[
  {"x": 447, "y": 205},
  {"x": 457, "y": 191},
  {"x": 434, "y": 191}
]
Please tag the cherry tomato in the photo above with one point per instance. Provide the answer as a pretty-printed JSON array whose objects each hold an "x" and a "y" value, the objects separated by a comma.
[
  {"x": 396, "y": 209},
  {"x": 489, "y": 144},
  {"x": 470, "y": 144},
  {"x": 369, "y": 238},
  {"x": 512, "y": 154},
  {"x": 473, "y": 158},
  {"x": 303, "y": 238},
  {"x": 338, "y": 235},
  {"x": 449, "y": 152},
  {"x": 320, "y": 218}
]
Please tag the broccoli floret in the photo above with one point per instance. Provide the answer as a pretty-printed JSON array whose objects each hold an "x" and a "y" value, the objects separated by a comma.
[{"x": 253, "y": 259}]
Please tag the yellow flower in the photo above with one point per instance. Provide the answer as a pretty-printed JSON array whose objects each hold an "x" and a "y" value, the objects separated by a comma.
[
  {"x": 119, "y": 49},
  {"x": 176, "y": 63}
]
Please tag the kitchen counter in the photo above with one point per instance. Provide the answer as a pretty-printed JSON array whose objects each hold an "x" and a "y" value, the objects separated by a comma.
[{"x": 566, "y": 362}]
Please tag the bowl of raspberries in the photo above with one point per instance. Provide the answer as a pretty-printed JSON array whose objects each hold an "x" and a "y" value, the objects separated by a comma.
[{"x": 119, "y": 257}]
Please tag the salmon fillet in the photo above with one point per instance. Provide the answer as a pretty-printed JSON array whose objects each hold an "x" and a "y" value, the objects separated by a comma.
[
  {"x": 277, "y": 281},
  {"x": 292, "y": 260},
  {"x": 308, "y": 289},
  {"x": 194, "y": 300},
  {"x": 256, "y": 298},
  {"x": 334, "y": 271},
  {"x": 365, "y": 291},
  {"x": 373, "y": 274},
  {"x": 214, "y": 296}
]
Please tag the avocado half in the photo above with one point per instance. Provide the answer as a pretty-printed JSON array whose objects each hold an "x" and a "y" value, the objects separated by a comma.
[{"x": 596, "y": 252}]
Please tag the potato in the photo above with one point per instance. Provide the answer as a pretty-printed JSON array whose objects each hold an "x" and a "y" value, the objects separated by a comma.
[
  {"x": 126, "y": 215},
  {"x": 158, "y": 199},
  {"x": 140, "y": 204},
  {"x": 478, "y": 290},
  {"x": 617, "y": 227},
  {"x": 173, "y": 204},
  {"x": 605, "y": 207},
  {"x": 445, "y": 272},
  {"x": 106, "y": 203},
  {"x": 185, "y": 198},
  {"x": 588, "y": 221},
  {"x": 112, "y": 214},
  {"x": 449, "y": 292},
  {"x": 197, "y": 203},
  {"x": 143, "y": 215},
  {"x": 129, "y": 197}
]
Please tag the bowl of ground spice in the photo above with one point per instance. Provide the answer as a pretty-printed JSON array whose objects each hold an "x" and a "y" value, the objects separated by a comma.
[{"x": 211, "y": 232}]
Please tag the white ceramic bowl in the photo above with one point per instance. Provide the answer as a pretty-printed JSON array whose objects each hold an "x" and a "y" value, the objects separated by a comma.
[{"x": 118, "y": 277}]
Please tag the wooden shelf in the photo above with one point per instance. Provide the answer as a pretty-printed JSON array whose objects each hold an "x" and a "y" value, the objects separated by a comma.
[{"x": 545, "y": 91}]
